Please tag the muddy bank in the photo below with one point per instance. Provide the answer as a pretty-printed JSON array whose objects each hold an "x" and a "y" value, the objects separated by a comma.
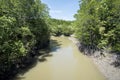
[{"x": 104, "y": 64}]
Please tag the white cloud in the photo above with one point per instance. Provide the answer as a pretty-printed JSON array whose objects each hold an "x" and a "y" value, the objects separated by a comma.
[{"x": 55, "y": 11}]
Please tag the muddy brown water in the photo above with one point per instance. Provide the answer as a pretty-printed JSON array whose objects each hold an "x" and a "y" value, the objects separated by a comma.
[{"x": 65, "y": 63}]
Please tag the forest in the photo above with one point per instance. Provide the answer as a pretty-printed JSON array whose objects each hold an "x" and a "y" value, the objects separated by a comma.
[
  {"x": 26, "y": 27},
  {"x": 61, "y": 27},
  {"x": 97, "y": 25}
]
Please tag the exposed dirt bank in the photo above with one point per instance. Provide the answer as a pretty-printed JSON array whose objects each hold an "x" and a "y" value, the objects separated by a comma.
[{"x": 103, "y": 63}]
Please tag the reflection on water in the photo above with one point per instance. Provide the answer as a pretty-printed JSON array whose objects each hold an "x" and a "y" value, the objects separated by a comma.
[{"x": 64, "y": 62}]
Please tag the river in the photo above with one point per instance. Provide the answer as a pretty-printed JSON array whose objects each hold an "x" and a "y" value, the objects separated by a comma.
[{"x": 64, "y": 62}]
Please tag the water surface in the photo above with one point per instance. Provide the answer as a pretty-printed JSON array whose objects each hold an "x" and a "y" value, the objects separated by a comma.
[{"x": 65, "y": 63}]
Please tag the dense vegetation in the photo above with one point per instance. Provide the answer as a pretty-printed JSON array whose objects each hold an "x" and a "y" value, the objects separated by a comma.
[
  {"x": 25, "y": 28},
  {"x": 23, "y": 31},
  {"x": 98, "y": 25},
  {"x": 61, "y": 27}
]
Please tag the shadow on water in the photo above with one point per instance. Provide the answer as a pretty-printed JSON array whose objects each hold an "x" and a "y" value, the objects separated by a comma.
[
  {"x": 54, "y": 45},
  {"x": 19, "y": 78},
  {"x": 25, "y": 68},
  {"x": 34, "y": 61},
  {"x": 40, "y": 57}
]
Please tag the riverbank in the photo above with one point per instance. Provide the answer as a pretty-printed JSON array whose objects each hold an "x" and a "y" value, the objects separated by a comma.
[{"x": 103, "y": 63}]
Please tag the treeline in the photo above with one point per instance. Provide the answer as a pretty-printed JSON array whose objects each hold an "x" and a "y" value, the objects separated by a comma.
[
  {"x": 23, "y": 31},
  {"x": 98, "y": 25},
  {"x": 61, "y": 27}
]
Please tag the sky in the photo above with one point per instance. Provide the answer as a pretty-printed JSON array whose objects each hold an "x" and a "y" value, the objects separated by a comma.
[{"x": 62, "y": 9}]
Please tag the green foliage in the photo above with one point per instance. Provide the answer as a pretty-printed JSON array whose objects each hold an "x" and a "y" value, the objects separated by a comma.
[
  {"x": 23, "y": 27},
  {"x": 59, "y": 27},
  {"x": 97, "y": 23}
]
